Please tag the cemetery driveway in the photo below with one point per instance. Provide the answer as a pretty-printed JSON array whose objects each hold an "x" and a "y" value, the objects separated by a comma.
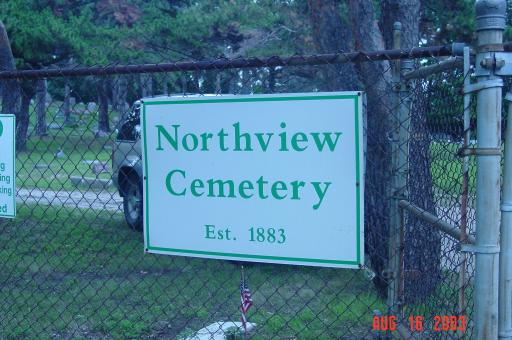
[{"x": 95, "y": 200}]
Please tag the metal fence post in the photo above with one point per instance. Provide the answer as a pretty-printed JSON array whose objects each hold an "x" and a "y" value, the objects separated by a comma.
[
  {"x": 465, "y": 184},
  {"x": 505, "y": 285},
  {"x": 490, "y": 23}
]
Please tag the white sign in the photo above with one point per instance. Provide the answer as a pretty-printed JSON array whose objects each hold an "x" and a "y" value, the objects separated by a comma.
[
  {"x": 7, "y": 170},
  {"x": 263, "y": 178}
]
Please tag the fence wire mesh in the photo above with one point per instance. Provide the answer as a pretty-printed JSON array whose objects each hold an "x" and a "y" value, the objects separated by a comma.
[
  {"x": 438, "y": 276},
  {"x": 70, "y": 267}
]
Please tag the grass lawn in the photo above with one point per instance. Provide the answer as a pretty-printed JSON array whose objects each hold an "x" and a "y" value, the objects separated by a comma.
[
  {"x": 39, "y": 168},
  {"x": 446, "y": 168},
  {"x": 82, "y": 274},
  {"x": 79, "y": 274}
]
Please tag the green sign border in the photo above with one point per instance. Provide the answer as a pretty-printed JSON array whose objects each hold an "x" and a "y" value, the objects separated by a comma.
[
  {"x": 286, "y": 97},
  {"x": 13, "y": 161}
]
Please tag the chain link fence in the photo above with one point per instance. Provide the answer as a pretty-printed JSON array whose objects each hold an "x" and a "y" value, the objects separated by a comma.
[{"x": 71, "y": 267}]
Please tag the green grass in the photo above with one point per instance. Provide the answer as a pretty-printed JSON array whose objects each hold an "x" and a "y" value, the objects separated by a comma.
[
  {"x": 446, "y": 168},
  {"x": 79, "y": 274},
  {"x": 37, "y": 167},
  {"x": 444, "y": 301}
]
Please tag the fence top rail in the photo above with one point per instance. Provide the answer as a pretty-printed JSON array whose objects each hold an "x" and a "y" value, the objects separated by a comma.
[
  {"x": 239, "y": 63},
  {"x": 445, "y": 65}
]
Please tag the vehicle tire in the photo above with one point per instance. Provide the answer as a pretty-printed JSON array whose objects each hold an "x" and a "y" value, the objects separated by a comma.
[{"x": 132, "y": 202}]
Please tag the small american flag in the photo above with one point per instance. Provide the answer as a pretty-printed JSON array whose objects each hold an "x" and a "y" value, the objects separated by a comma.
[{"x": 245, "y": 295}]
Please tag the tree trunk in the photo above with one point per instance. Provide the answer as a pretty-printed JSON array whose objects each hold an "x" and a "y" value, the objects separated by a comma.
[
  {"x": 22, "y": 119},
  {"x": 66, "y": 107},
  {"x": 41, "y": 90},
  {"x": 233, "y": 82},
  {"x": 10, "y": 89},
  {"x": 271, "y": 83},
  {"x": 246, "y": 81},
  {"x": 183, "y": 80},
  {"x": 332, "y": 35},
  {"x": 407, "y": 12},
  {"x": 218, "y": 83},
  {"x": 103, "y": 117},
  {"x": 120, "y": 94},
  {"x": 146, "y": 85},
  {"x": 422, "y": 242},
  {"x": 376, "y": 78},
  {"x": 165, "y": 85}
]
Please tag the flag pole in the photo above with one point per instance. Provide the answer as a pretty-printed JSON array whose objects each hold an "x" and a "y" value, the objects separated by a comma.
[{"x": 241, "y": 306}]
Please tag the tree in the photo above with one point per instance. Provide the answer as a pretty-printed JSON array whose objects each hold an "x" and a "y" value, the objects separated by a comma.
[
  {"x": 371, "y": 30},
  {"x": 376, "y": 78},
  {"x": 43, "y": 42},
  {"x": 41, "y": 91},
  {"x": 10, "y": 89},
  {"x": 333, "y": 34}
]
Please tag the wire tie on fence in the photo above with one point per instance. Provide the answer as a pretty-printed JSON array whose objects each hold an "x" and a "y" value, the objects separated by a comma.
[
  {"x": 505, "y": 334},
  {"x": 480, "y": 249},
  {"x": 482, "y": 85},
  {"x": 471, "y": 151},
  {"x": 506, "y": 206},
  {"x": 508, "y": 97}
]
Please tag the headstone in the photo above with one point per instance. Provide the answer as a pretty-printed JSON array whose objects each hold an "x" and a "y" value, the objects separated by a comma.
[
  {"x": 79, "y": 108},
  {"x": 91, "y": 183},
  {"x": 221, "y": 330},
  {"x": 54, "y": 126},
  {"x": 99, "y": 167},
  {"x": 60, "y": 154},
  {"x": 41, "y": 166},
  {"x": 101, "y": 133},
  {"x": 91, "y": 107},
  {"x": 48, "y": 99}
]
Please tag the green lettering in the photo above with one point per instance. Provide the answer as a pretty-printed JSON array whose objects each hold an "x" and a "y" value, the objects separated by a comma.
[
  {"x": 222, "y": 135},
  {"x": 320, "y": 193},
  {"x": 169, "y": 186},
  {"x": 261, "y": 183},
  {"x": 220, "y": 185},
  {"x": 283, "y": 138},
  {"x": 245, "y": 185},
  {"x": 296, "y": 141},
  {"x": 186, "y": 145},
  {"x": 205, "y": 137},
  {"x": 263, "y": 145},
  {"x": 162, "y": 131},
  {"x": 196, "y": 184},
  {"x": 295, "y": 189},
  {"x": 238, "y": 136},
  {"x": 210, "y": 231},
  {"x": 327, "y": 139},
  {"x": 276, "y": 187}
]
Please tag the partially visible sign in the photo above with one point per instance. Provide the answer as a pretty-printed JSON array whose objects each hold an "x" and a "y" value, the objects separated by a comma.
[
  {"x": 263, "y": 178},
  {"x": 7, "y": 169}
]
